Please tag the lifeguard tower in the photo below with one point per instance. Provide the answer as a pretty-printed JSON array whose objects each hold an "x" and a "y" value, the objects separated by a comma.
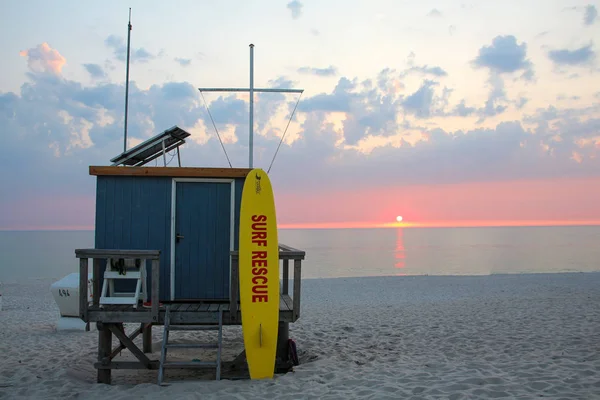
[{"x": 166, "y": 242}]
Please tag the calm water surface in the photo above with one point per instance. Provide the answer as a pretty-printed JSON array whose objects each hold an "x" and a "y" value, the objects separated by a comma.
[{"x": 359, "y": 252}]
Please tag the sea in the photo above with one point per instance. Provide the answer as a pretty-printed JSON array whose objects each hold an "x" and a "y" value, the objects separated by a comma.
[{"x": 336, "y": 253}]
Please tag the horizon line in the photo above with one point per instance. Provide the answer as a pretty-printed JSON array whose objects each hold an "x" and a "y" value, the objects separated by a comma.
[
  {"x": 364, "y": 225},
  {"x": 441, "y": 224}
]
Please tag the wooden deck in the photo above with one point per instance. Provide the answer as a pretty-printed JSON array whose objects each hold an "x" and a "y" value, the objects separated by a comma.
[
  {"x": 200, "y": 312},
  {"x": 192, "y": 313},
  {"x": 109, "y": 319}
]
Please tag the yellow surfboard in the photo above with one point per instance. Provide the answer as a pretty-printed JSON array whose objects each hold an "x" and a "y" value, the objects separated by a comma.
[{"x": 259, "y": 274}]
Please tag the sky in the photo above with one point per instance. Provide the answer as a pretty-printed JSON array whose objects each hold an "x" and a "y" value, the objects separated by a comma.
[{"x": 447, "y": 113}]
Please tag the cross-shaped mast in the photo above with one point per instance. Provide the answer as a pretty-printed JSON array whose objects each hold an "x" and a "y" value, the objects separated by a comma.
[{"x": 251, "y": 89}]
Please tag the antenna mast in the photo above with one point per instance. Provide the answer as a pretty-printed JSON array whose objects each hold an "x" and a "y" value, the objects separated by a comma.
[
  {"x": 250, "y": 90},
  {"x": 127, "y": 81},
  {"x": 251, "y": 118}
]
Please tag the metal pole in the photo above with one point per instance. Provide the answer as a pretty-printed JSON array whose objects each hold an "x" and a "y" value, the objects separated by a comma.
[
  {"x": 251, "y": 140},
  {"x": 127, "y": 81}
]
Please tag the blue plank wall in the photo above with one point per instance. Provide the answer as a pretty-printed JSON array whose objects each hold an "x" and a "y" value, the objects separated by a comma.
[{"x": 135, "y": 213}]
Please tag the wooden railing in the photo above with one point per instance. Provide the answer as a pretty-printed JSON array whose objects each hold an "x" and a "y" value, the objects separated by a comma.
[
  {"x": 286, "y": 253},
  {"x": 103, "y": 254}
]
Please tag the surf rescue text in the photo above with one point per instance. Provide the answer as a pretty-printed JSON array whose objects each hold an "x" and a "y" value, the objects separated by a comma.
[{"x": 259, "y": 260}]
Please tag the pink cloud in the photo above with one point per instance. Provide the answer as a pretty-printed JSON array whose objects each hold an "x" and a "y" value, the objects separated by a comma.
[{"x": 44, "y": 58}]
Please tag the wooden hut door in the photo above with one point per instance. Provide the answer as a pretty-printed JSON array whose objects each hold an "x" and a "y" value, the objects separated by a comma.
[{"x": 202, "y": 239}]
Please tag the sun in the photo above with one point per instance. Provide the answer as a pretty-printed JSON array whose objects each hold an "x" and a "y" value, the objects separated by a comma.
[{"x": 399, "y": 218}]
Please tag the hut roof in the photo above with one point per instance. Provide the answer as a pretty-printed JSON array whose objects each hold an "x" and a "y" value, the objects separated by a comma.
[{"x": 176, "y": 172}]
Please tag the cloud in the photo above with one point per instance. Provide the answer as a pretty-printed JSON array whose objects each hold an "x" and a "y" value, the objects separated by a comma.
[
  {"x": 65, "y": 126},
  {"x": 296, "y": 8},
  {"x": 496, "y": 103},
  {"x": 522, "y": 102},
  {"x": 427, "y": 70},
  {"x": 422, "y": 69},
  {"x": 590, "y": 14},
  {"x": 328, "y": 71},
  {"x": 43, "y": 58},
  {"x": 117, "y": 44},
  {"x": 338, "y": 100},
  {"x": 508, "y": 151},
  {"x": 95, "y": 71},
  {"x": 77, "y": 116},
  {"x": 497, "y": 95},
  {"x": 581, "y": 56},
  {"x": 462, "y": 110},
  {"x": 268, "y": 105},
  {"x": 377, "y": 107},
  {"x": 505, "y": 56},
  {"x": 434, "y": 13},
  {"x": 370, "y": 107},
  {"x": 362, "y": 133},
  {"x": 184, "y": 62},
  {"x": 562, "y": 97},
  {"x": 419, "y": 103}
]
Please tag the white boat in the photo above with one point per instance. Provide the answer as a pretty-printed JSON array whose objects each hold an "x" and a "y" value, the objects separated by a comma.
[{"x": 66, "y": 295}]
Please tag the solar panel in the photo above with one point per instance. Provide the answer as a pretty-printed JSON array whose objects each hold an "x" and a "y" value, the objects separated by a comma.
[{"x": 152, "y": 148}]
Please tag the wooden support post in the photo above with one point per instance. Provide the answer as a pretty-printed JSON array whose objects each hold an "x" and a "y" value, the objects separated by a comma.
[
  {"x": 96, "y": 282},
  {"x": 234, "y": 288},
  {"x": 155, "y": 289},
  {"x": 147, "y": 338},
  {"x": 130, "y": 345},
  {"x": 282, "y": 356},
  {"x": 297, "y": 280},
  {"x": 121, "y": 346},
  {"x": 104, "y": 351},
  {"x": 286, "y": 277},
  {"x": 83, "y": 289}
]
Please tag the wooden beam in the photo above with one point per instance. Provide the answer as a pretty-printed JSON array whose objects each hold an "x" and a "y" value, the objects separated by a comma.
[
  {"x": 104, "y": 350},
  {"x": 234, "y": 288},
  {"x": 154, "y": 299},
  {"x": 297, "y": 280},
  {"x": 282, "y": 356},
  {"x": 129, "y": 316},
  {"x": 286, "y": 277},
  {"x": 96, "y": 282},
  {"x": 199, "y": 317},
  {"x": 83, "y": 289},
  {"x": 287, "y": 300},
  {"x": 147, "y": 338},
  {"x": 283, "y": 254},
  {"x": 130, "y": 345},
  {"x": 121, "y": 346},
  {"x": 175, "y": 172},
  {"x": 154, "y": 364},
  {"x": 285, "y": 247},
  {"x": 117, "y": 253}
]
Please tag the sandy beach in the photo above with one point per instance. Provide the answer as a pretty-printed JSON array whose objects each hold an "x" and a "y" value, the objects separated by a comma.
[{"x": 499, "y": 336}]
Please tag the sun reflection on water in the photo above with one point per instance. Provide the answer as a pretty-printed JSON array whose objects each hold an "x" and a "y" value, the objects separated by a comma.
[{"x": 399, "y": 253}]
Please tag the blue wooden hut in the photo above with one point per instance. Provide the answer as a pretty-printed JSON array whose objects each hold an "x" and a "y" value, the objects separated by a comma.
[{"x": 190, "y": 214}]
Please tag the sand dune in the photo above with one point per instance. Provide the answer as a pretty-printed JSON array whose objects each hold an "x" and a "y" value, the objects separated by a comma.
[{"x": 510, "y": 336}]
